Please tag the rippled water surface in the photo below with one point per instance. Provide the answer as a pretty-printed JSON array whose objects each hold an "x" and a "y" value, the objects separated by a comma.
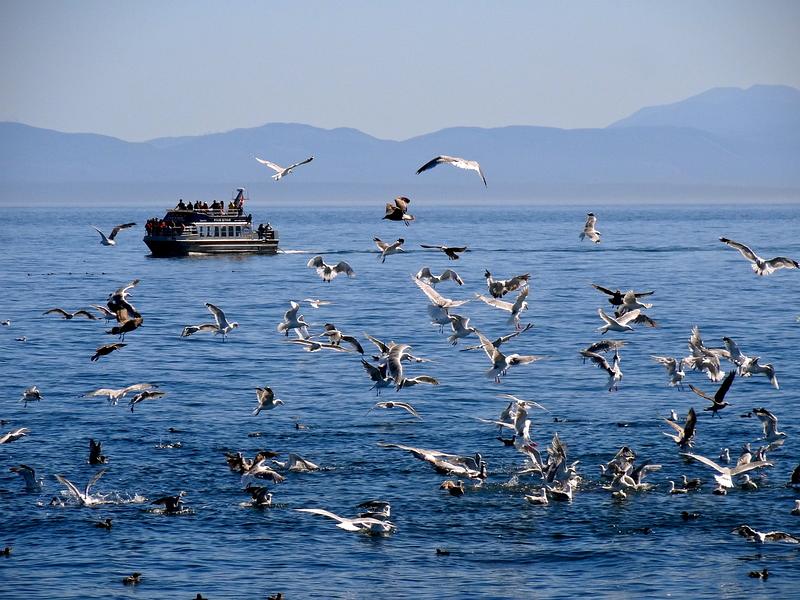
[{"x": 500, "y": 546}]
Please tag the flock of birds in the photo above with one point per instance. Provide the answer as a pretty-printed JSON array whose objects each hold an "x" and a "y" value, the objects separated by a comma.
[{"x": 559, "y": 477}]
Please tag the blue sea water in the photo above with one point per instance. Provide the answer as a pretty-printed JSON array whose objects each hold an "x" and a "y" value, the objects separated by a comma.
[{"x": 500, "y": 546}]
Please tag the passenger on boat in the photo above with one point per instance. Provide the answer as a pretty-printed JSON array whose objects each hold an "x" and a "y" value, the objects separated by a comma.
[{"x": 181, "y": 205}]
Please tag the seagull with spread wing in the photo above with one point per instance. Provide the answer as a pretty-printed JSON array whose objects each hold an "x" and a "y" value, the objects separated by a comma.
[
  {"x": 328, "y": 272},
  {"x": 726, "y": 474},
  {"x": 452, "y": 252},
  {"x": 588, "y": 229},
  {"x": 760, "y": 265},
  {"x": 515, "y": 308},
  {"x": 502, "y": 362},
  {"x": 282, "y": 171},
  {"x": 461, "y": 163},
  {"x": 108, "y": 240},
  {"x": 718, "y": 399}
]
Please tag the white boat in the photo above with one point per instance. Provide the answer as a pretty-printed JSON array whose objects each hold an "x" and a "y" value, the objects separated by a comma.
[{"x": 197, "y": 228}]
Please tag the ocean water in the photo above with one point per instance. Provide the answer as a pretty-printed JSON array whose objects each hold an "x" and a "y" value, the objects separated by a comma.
[{"x": 499, "y": 545}]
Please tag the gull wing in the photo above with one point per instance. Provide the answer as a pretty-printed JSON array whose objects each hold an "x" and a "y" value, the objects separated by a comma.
[
  {"x": 674, "y": 425},
  {"x": 599, "y": 360},
  {"x": 450, "y": 274},
  {"x": 343, "y": 267},
  {"x": 756, "y": 464},
  {"x": 219, "y": 316},
  {"x": 628, "y": 317},
  {"x": 407, "y": 407},
  {"x": 69, "y": 485},
  {"x": 432, "y": 163},
  {"x": 119, "y": 228},
  {"x": 600, "y": 288},
  {"x": 103, "y": 392},
  {"x": 605, "y": 317},
  {"x": 94, "y": 480},
  {"x": 487, "y": 346},
  {"x": 435, "y": 296},
  {"x": 383, "y": 348},
  {"x": 60, "y": 311},
  {"x": 346, "y": 524},
  {"x": 271, "y": 165},
  {"x": 781, "y": 536},
  {"x": 744, "y": 250},
  {"x": 302, "y": 162},
  {"x": 315, "y": 262},
  {"x": 375, "y": 373},
  {"x": 723, "y": 389},
  {"x": 103, "y": 235},
  {"x": 783, "y": 262},
  {"x": 701, "y": 393},
  {"x": 523, "y": 359},
  {"x": 501, "y": 304},
  {"x": 706, "y": 461}
]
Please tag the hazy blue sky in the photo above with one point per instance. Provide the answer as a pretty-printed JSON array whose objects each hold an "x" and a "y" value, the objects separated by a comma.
[{"x": 143, "y": 69}]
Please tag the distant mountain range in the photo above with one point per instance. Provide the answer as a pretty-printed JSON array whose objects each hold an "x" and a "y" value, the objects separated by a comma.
[{"x": 722, "y": 137}]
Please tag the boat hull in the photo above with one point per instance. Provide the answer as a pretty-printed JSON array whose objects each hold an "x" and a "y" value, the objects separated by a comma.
[{"x": 169, "y": 246}]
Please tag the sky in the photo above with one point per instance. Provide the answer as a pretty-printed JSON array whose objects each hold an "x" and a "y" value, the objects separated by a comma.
[{"x": 146, "y": 69}]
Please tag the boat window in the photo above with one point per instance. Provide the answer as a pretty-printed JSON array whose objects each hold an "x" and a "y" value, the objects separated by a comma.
[
  {"x": 230, "y": 230},
  {"x": 238, "y": 230},
  {"x": 216, "y": 231},
  {"x": 224, "y": 231},
  {"x": 200, "y": 231}
]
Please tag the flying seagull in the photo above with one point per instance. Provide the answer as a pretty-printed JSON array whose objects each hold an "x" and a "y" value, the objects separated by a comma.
[
  {"x": 718, "y": 399},
  {"x": 71, "y": 315},
  {"x": 390, "y": 404},
  {"x": 461, "y": 163},
  {"x": 388, "y": 249},
  {"x": 399, "y": 211},
  {"x": 589, "y": 231},
  {"x": 108, "y": 240},
  {"x": 328, "y": 272},
  {"x": 759, "y": 265},
  {"x": 279, "y": 170},
  {"x": 617, "y": 297},
  {"x": 106, "y": 349},
  {"x": 452, "y": 252}
]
